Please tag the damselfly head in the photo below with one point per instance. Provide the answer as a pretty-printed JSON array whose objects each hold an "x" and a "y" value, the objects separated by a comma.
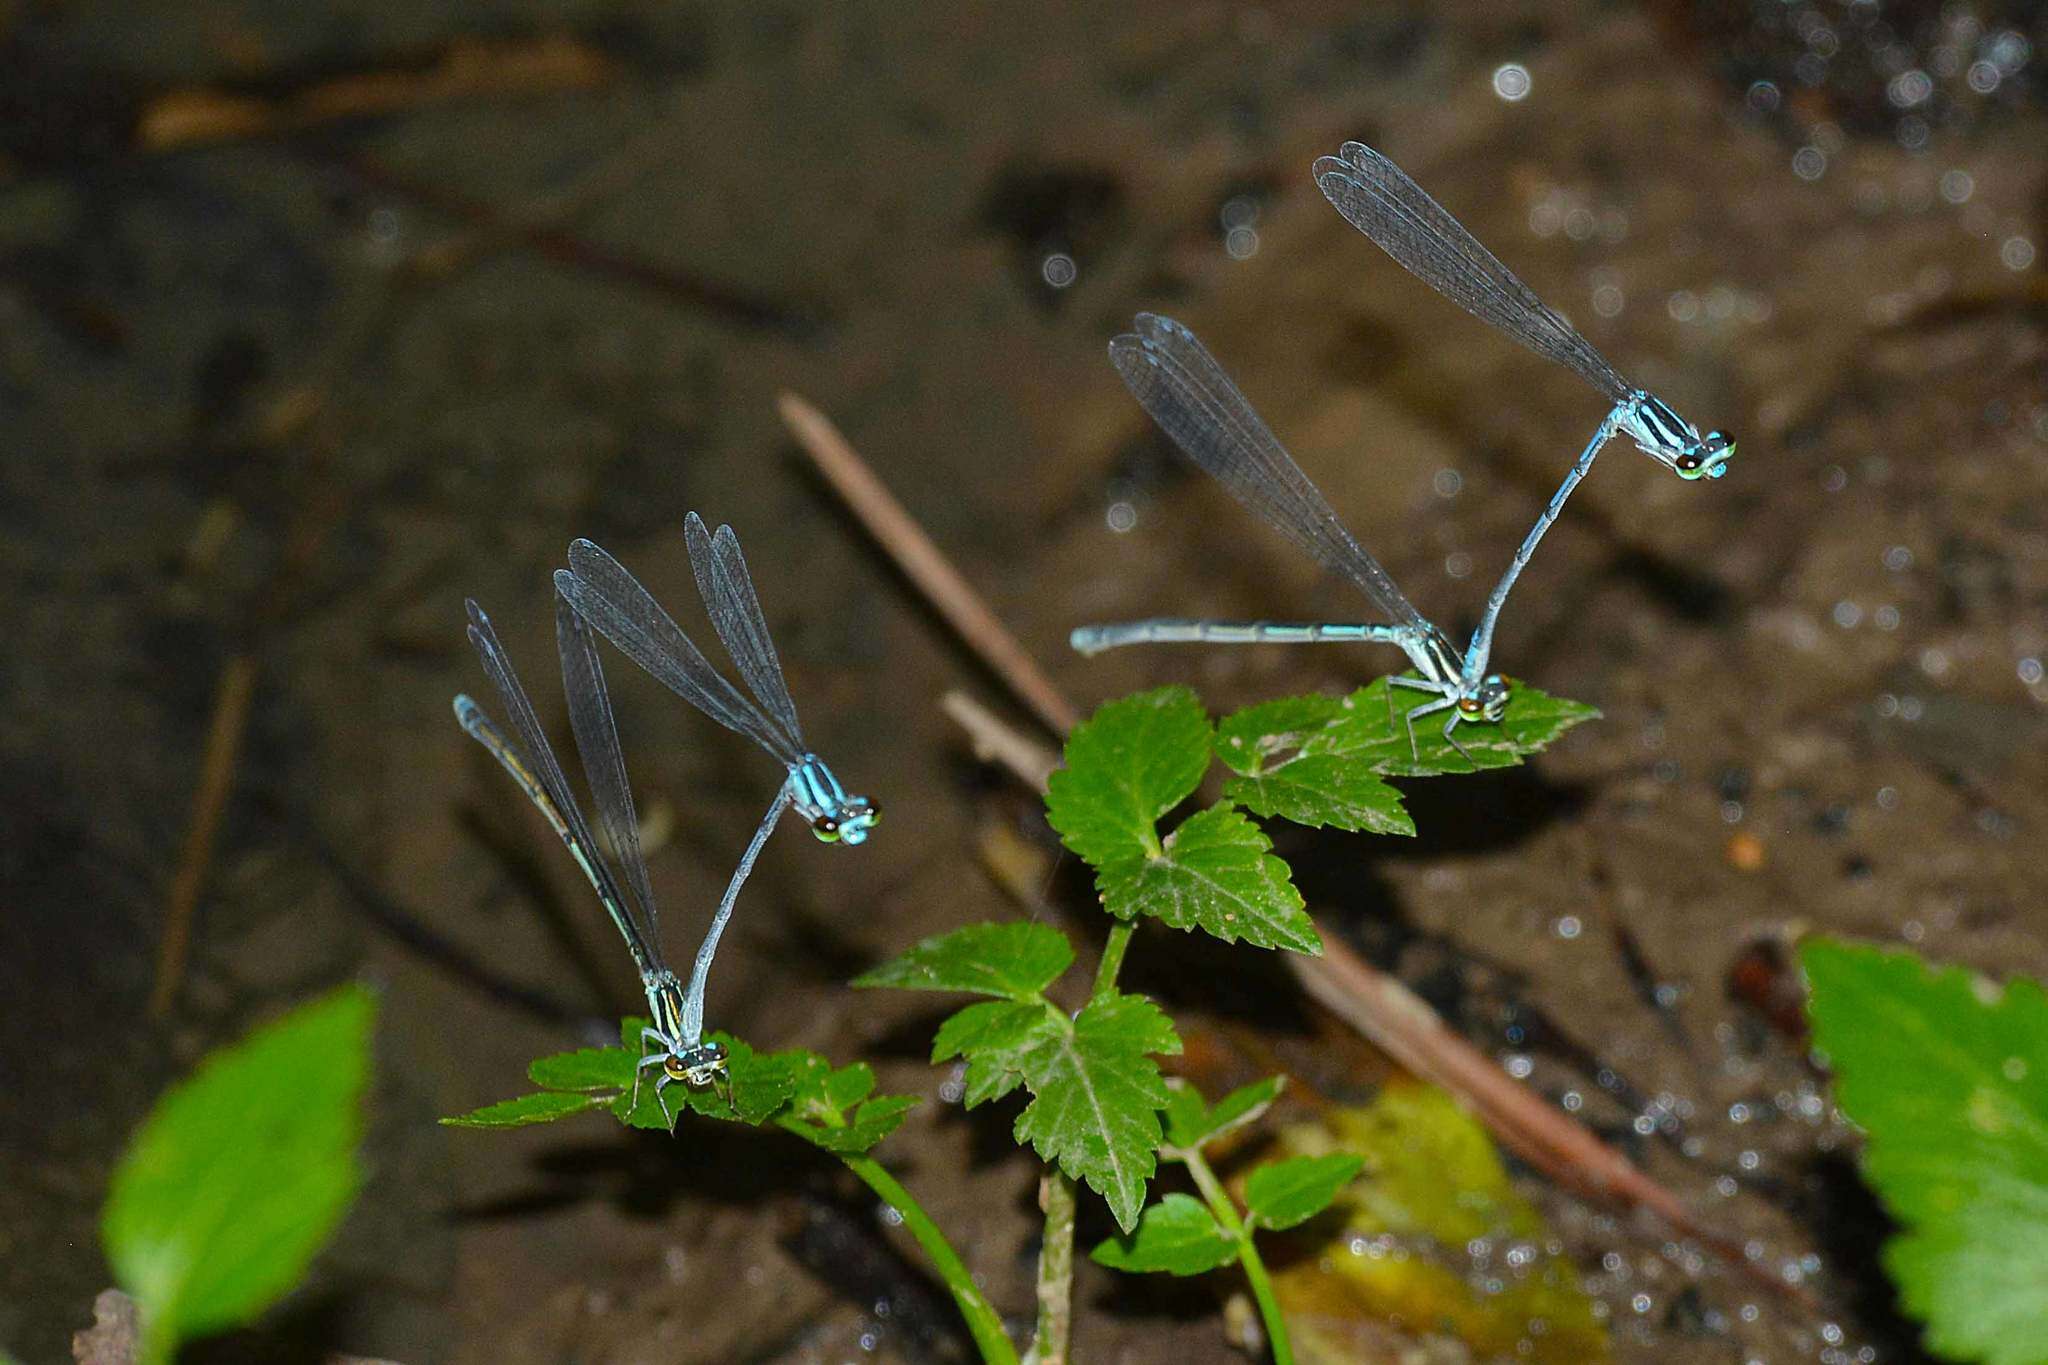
[
  {"x": 1709, "y": 459},
  {"x": 1493, "y": 697},
  {"x": 696, "y": 1066},
  {"x": 849, "y": 824}
]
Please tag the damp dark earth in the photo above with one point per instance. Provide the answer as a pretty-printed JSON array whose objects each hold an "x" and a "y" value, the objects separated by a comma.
[{"x": 315, "y": 322}]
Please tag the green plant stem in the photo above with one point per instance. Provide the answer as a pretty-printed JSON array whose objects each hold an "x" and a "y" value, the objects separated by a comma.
[
  {"x": 1055, "y": 1270},
  {"x": 1225, "y": 1214},
  {"x": 1112, "y": 957},
  {"x": 982, "y": 1322}
]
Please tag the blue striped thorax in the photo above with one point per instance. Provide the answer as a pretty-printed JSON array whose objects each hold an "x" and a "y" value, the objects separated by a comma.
[
  {"x": 835, "y": 817},
  {"x": 1672, "y": 441}
]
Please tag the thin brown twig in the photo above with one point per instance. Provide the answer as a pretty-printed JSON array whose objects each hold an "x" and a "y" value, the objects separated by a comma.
[
  {"x": 925, "y": 564},
  {"x": 231, "y": 699}
]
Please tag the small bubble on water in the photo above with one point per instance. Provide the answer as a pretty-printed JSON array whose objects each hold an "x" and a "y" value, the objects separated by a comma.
[
  {"x": 1848, "y": 615},
  {"x": 1957, "y": 185},
  {"x": 1763, "y": 96},
  {"x": 1567, "y": 927},
  {"x": 1898, "y": 559},
  {"x": 1447, "y": 482},
  {"x": 2016, "y": 252},
  {"x": 1241, "y": 243},
  {"x": 1683, "y": 305},
  {"x": 1457, "y": 564},
  {"x": 1059, "y": 270},
  {"x": 1834, "y": 479},
  {"x": 2030, "y": 671},
  {"x": 1121, "y": 516},
  {"x": 1982, "y": 77},
  {"x": 1887, "y": 798},
  {"x": 1511, "y": 82},
  {"x": 1885, "y": 617},
  {"x": 1809, "y": 163}
]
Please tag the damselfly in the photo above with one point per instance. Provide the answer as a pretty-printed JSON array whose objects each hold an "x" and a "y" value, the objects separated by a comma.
[
  {"x": 1187, "y": 393},
  {"x": 608, "y": 597},
  {"x": 1379, "y": 199},
  {"x": 677, "y": 1025}
]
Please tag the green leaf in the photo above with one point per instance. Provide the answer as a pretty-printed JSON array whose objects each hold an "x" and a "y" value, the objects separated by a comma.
[
  {"x": 865, "y": 1127},
  {"x": 1097, "y": 1093},
  {"x": 1178, "y": 1235},
  {"x": 1324, "y": 791},
  {"x": 755, "y": 1085},
  {"x": 242, "y": 1172},
  {"x": 1014, "y": 960},
  {"x": 1216, "y": 873},
  {"x": 1373, "y": 730},
  {"x": 590, "y": 1068},
  {"x": 1191, "y": 1124},
  {"x": 1280, "y": 777},
  {"x": 1127, "y": 765},
  {"x": 542, "y": 1106},
  {"x": 1284, "y": 1193},
  {"x": 1248, "y": 740},
  {"x": 832, "y": 1109},
  {"x": 1949, "y": 1077},
  {"x": 993, "y": 1036}
]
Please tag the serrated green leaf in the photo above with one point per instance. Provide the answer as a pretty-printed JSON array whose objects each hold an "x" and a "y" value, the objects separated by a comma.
[
  {"x": 865, "y": 1127},
  {"x": 992, "y": 1035},
  {"x": 590, "y": 1068},
  {"x": 849, "y": 1085},
  {"x": 1127, "y": 765},
  {"x": 1176, "y": 1236},
  {"x": 542, "y": 1106},
  {"x": 1191, "y": 1124},
  {"x": 1284, "y": 1193},
  {"x": 1372, "y": 729},
  {"x": 754, "y": 1087},
  {"x": 1216, "y": 873},
  {"x": 1249, "y": 739},
  {"x": 1015, "y": 960},
  {"x": 1324, "y": 791},
  {"x": 242, "y": 1172},
  {"x": 1096, "y": 1095},
  {"x": 1949, "y": 1077}
]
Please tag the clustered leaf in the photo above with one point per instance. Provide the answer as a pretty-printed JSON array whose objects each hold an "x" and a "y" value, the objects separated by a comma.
[
  {"x": 799, "y": 1090},
  {"x": 1097, "y": 1093},
  {"x": 1367, "y": 734},
  {"x": 1217, "y": 874},
  {"x": 1016, "y": 960},
  {"x": 1133, "y": 761},
  {"x": 1949, "y": 1078},
  {"x": 1284, "y": 1193},
  {"x": 242, "y": 1172},
  {"x": 1191, "y": 1124},
  {"x": 1176, "y": 1236},
  {"x": 1130, "y": 763}
]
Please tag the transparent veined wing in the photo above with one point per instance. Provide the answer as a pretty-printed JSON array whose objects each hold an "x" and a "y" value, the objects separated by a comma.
[
  {"x": 1195, "y": 403},
  {"x": 604, "y": 764},
  {"x": 1379, "y": 199},
  {"x": 735, "y": 610},
  {"x": 540, "y": 776},
  {"x": 624, "y": 612}
]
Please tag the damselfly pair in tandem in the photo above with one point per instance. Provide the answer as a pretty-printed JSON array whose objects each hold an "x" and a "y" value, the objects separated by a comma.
[
  {"x": 1178, "y": 382},
  {"x": 596, "y": 591}
]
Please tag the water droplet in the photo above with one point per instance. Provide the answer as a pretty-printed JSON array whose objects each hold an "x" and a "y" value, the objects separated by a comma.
[
  {"x": 1511, "y": 82},
  {"x": 1059, "y": 270}
]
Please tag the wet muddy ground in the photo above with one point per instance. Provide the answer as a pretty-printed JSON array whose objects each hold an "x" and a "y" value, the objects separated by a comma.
[{"x": 291, "y": 387}]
